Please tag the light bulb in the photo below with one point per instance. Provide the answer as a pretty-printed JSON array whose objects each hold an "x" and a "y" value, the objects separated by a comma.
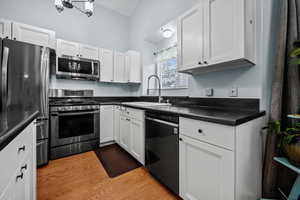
[
  {"x": 59, "y": 5},
  {"x": 88, "y": 8},
  {"x": 167, "y": 33}
]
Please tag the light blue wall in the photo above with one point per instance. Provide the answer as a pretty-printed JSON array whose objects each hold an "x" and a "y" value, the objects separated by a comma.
[
  {"x": 105, "y": 28},
  {"x": 252, "y": 82}
]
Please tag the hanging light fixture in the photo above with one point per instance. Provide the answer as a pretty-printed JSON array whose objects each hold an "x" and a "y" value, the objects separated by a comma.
[{"x": 87, "y": 8}]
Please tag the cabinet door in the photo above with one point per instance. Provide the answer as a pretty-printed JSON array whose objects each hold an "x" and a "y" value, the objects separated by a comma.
[
  {"x": 107, "y": 65},
  {"x": 89, "y": 52},
  {"x": 119, "y": 67},
  {"x": 106, "y": 124},
  {"x": 222, "y": 31},
  {"x": 190, "y": 38},
  {"x": 137, "y": 143},
  {"x": 128, "y": 68},
  {"x": 206, "y": 171},
  {"x": 117, "y": 124},
  {"x": 67, "y": 48},
  {"x": 5, "y": 29},
  {"x": 33, "y": 35},
  {"x": 135, "y": 72},
  {"x": 125, "y": 133}
]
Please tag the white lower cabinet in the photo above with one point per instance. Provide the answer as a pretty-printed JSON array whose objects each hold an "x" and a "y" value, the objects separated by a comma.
[
  {"x": 137, "y": 147},
  {"x": 125, "y": 132},
  {"x": 206, "y": 171},
  {"x": 106, "y": 124},
  {"x": 219, "y": 162},
  {"x": 117, "y": 113},
  {"x": 18, "y": 175},
  {"x": 132, "y": 132}
]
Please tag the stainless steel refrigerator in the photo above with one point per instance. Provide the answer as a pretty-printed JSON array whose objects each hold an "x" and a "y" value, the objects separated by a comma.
[{"x": 24, "y": 85}]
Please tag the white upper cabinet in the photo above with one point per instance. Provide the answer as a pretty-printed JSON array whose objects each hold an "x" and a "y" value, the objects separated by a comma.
[
  {"x": 120, "y": 75},
  {"x": 106, "y": 57},
  {"x": 89, "y": 52},
  {"x": 191, "y": 38},
  {"x": 67, "y": 48},
  {"x": 33, "y": 35},
  {"x": 217, "y": 34},
  {"x": 128, "y": 67},
  {"x": 5, "y": 29},
  {"x": 74, "y": 49},
  {"x": 134, "y": 66}
]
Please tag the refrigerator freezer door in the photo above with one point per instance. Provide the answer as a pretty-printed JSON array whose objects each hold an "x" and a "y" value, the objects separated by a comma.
[{"x": 42, "y": 152}]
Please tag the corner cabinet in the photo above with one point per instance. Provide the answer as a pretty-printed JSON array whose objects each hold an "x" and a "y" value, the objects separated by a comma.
[
  {"x": 220, "y": 162},
  {"x": 33, "y": 35},
  {"x": 5, "y": 29},
  {"x": 216, "y": 35},
  {"x": 18, "y": 173}
]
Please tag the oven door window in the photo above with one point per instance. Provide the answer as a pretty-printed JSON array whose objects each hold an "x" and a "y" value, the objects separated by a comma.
[{"x": 76, "y": 125}]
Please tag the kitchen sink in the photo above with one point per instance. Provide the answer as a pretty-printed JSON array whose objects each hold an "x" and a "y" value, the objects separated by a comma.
[{"x": 146, "y": 104}]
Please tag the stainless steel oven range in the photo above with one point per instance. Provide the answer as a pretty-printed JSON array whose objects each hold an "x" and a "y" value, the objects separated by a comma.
[{"x": 75, "y": 126}]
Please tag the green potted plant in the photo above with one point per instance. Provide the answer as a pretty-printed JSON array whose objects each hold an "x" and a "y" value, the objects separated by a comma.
[{"x": 289, "y": 143}]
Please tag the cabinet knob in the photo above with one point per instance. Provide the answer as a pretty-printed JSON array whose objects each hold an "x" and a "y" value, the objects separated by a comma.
[
  {"x": 19, "y": 177},
  {"x": 199, "y": 63},
  {"x": 22, "y": 148},
  {"x": 180, "y": 139},
  {"x": 200, "y": 131},
  {"x": 205, "y": 62},
  {"x": 15, "y": 38},
  {"x": 24, "y": 167}
]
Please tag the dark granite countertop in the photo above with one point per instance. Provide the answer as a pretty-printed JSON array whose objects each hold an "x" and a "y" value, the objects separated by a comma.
[
  {"x": 223, "y": 116},
  {"x": 12, "y": 123}
]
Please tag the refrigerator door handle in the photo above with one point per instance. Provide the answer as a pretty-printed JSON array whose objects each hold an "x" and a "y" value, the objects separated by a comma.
[
  {"x": 4, "y": 76},
  {"x": 45, "y": 80}
]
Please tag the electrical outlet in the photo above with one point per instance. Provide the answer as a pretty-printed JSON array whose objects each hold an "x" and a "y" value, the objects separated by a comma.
[
  {"x": 209, "y": 92},
  {"x": 233, "y": 92}
]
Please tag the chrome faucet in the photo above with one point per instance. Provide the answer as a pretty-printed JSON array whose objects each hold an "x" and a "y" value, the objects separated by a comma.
[{"x": 159, "y": 87}]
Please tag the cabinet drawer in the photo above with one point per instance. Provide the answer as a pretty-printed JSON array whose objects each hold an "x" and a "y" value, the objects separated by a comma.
[
  {"x": 14, "y": 153},
  {"x": 136, "y": 114},
  {"x": 212, "y": 133}
]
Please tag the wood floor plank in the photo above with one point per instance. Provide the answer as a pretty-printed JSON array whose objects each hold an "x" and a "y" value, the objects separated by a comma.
[{"x": 82, "y": 177}]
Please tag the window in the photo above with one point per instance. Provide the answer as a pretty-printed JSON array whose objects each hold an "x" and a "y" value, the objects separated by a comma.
[{"x": 167, "y": 70}]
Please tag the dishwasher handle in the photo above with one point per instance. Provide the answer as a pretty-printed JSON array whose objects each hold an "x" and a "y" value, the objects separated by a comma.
[{"x": 162, "y": 122}]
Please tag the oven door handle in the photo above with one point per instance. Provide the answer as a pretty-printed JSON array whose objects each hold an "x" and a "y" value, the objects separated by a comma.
[
  {"x": 162, "y": 122},
  {"x": 74, "y": 113}
]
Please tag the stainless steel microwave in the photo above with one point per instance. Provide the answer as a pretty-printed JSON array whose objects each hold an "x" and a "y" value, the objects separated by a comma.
[{"x": 77, "y": 69}]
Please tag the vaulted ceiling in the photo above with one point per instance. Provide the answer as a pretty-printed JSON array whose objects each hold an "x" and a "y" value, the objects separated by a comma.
[{"x": 124, "y": 7}]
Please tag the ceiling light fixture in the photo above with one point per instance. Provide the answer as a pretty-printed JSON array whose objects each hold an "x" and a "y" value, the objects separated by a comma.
[
  {"x": 167, "y": 33},
  {"x": 88, "y": 6}
]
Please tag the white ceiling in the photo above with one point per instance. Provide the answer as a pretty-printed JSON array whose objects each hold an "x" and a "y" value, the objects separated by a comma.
[{"x": 124, "y": 7}]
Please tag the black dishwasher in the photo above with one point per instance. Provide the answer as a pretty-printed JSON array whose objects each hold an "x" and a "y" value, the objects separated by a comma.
[{"x": 162, "y": 148}]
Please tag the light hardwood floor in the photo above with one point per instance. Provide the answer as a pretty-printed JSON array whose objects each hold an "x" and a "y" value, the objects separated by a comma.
[{"x": 82, "y": 177}]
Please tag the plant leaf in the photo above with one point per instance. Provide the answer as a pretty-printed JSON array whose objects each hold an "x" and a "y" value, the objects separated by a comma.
[{"x": 295, "y": 52}]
